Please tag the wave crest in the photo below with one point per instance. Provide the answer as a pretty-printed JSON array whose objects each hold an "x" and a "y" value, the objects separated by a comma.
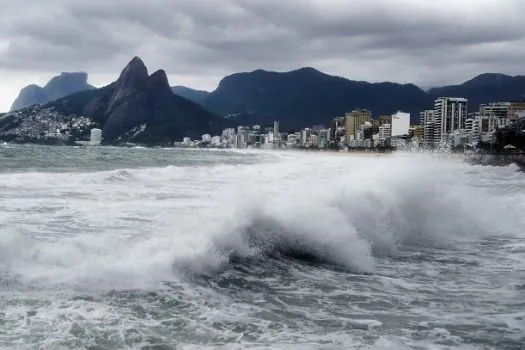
[{"x": 329, "y": 210}]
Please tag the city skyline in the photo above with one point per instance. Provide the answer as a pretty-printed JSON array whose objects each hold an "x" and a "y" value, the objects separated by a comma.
[
  {"x": 372, "y": 40},
  {"x": 448, "y": 126}
]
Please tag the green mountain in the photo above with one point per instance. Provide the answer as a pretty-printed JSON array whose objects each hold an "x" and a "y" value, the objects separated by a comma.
[
  {"x": 190, "y": 94},
  {"x": 306, "y": 97},
  {"x": 59, "y": 86},
  {"x": 485, "y": 88},
  {"x": 298, "y": 98},
  {"x": 140, "y": 108}
]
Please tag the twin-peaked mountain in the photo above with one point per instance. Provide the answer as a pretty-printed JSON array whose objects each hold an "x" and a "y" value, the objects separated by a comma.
[
  {"x": 139, "y": 107},
  {"x": 59, "y": 86}
]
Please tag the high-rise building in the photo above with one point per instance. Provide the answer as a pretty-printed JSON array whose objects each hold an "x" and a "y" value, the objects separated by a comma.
[
  {"x": 95, "y": 137},
  {"x": 499, "y": 111},
  {"x": 305, "y": 136},
  {"x": 312, "y": 140},
  {"x": 291, "y": 140},
  {"x": 495, "y": 109},
  {"x": 276, "y": 135},
  {"x": 355, "y": 119},
  {"x": 384, "y": 134},
  {"x": 400, "y": 124},
  {"x": 450, "y": 114},
  {"x": 381, "y": 120},
  {"x": 384, "y": 119},
  {"x": 323, "y": 138},
  {"x": 427, "y": 123},
  {"x": 337, "y": 129},
  {"x": 516, "y": 111}
]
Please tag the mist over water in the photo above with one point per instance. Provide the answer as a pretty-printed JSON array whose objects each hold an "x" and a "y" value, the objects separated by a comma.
[{"x": 113, "y": 248}]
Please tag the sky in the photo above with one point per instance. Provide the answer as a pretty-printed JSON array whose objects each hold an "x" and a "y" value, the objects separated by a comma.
[{"x": 198, "y": 42}]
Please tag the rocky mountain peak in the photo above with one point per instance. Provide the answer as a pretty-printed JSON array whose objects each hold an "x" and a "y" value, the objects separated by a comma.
[
  {"x": 77, "y": 78},
  {"x": 159, "y": 79},
  {"x": 132, "y": 77},
  {"x": 59, "y": 86},
  {"x": 135, "y": 71}
]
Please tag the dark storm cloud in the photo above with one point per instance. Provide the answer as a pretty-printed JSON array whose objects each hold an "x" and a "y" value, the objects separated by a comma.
[{"x": 359, "y": 39}]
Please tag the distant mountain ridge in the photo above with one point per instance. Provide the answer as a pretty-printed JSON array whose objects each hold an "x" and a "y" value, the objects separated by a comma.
[
  {"x": 485, "y": 88},
  {"x": 190, "y": 94},
  {"x": 307, "y": 96},
  {"x": 59, "y": 86},
  {"x": 140, "y": 108}
]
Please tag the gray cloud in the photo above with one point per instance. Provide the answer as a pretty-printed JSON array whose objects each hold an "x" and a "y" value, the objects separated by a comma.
[{"x": 429, "y": 43}]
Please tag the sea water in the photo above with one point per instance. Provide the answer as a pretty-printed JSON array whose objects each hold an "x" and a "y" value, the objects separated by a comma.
[{"x": 129, "y": 248}]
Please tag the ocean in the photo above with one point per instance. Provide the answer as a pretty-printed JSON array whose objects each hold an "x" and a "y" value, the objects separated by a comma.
[{"x": 135, "y": 248}]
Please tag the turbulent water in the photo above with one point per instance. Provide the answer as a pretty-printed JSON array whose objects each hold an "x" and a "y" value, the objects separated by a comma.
[{"x": 119, "y": 248}]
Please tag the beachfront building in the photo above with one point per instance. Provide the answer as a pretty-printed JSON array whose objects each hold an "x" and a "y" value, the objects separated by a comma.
[
  {"x": 496, "y": 111},
  {"x": 354, "y": 120},
  {"x": 400, "y": 123},
  {"x": 323, "y": 138},
  {"x": 427, "y": 124},
  {"x": 516, "y": 111},
  {"x": 450, "y": 114},
  {"x": 305, "y": 136},
  {"x": 384, "y": 134},
  {"x": 337, "y": 129},
  {"x": 95, "y": 137}
]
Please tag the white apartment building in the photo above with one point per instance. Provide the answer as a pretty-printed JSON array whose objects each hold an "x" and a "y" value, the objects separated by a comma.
[
  {"x": 323, "y": 138},
  {"x": 450, "y": 114},
  {"x": 498, "y": 111},
  {"x": 95, "y": 137},
  {"x": 427, "y": 124},
  {"x": 276, "y": 135},
  {"x": 312, "y": 140},
  {"x": 384, "y": 134},
  {"x": 480, "y": 128},
  {"x": 305, "y": 136},
  {"x": 291, "y": 140},
  {"x": 400, "y": 124},
  {"x": 472, "y": 130}
]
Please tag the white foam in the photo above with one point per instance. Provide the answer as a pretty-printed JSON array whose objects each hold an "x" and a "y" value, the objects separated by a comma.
[{"x": 127, "y": 228}]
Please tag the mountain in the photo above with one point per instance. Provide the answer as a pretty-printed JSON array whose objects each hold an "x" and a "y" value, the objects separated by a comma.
[
  {"x": 297, "y": 98},
  {"x": 140, "y": 108},
  {"x": 190, "y": 94},
  {"x": 307, "y": 97},
  {"x": 59, "y": 86},
  {"x": 485, "y": 88}
]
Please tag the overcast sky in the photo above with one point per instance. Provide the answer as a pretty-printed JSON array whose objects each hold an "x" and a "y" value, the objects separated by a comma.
[{"x": 198, "y": 42}]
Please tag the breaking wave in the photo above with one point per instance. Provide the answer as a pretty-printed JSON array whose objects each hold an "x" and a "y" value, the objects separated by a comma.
[{"x": 157, "y": 224}]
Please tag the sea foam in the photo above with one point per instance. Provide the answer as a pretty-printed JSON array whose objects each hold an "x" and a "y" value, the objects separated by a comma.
[{"x": 135, "y": 228}]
